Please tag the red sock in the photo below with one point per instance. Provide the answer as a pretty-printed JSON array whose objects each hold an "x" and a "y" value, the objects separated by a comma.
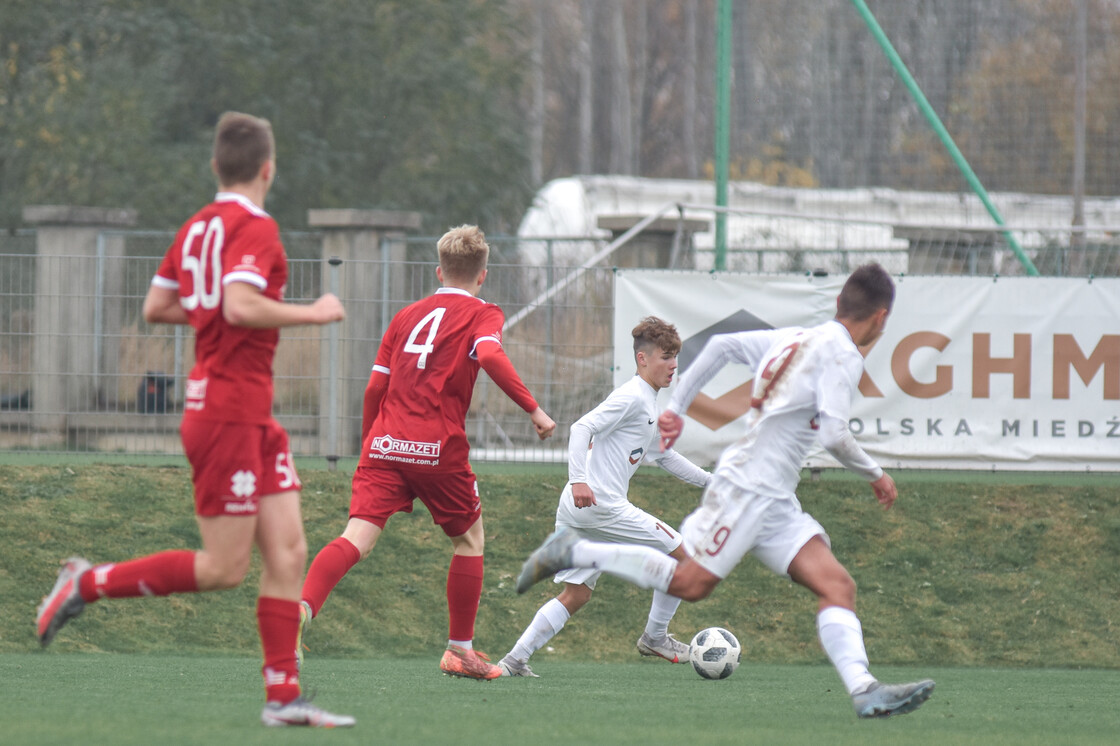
[
  {"x": 464, "y": 589},
  {"x": 328, "y": 567},
  {"x": 278, "y": 621},
  {"x": 154, "y": 575}
]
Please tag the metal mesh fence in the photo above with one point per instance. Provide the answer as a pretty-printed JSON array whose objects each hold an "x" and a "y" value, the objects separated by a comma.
[
  {"x": 17, "y": 279},
  {"x": 80, "y": 371},
  {"x": 119, "y": 381},
  {"x": 795, "y": 243}
]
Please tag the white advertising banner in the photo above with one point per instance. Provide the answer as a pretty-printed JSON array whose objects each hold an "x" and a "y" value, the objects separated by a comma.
[{"x": 982, "y": 373}]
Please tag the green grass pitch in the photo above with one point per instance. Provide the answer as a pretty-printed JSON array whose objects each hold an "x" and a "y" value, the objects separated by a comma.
[
  {"x": 1000, "y": 587},
  {"x": 77, "y": 698}
]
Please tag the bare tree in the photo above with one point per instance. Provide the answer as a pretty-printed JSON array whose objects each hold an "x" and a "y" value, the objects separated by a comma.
[
  {"x": 585, "y": 62},
  {"x": 689, "y": 145},
  {"x": 628, "y": 88},
  {"x": 536, "y": 113},
  {"x": 639, "y": 39},
  {"x": 1080, "y": 32},
  {"x": 621, "y": 124}
]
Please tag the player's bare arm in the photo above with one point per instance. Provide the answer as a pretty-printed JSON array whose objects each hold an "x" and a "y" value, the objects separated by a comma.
[
  {"x": 161, "y": 306},
  {"x": 582, "y": 495},
  {"x": 542, "y": 423},
  {"x": 885, "y": 491},
  {"x": 669, "y": 424},
  {"x": 245, "y": 305}
]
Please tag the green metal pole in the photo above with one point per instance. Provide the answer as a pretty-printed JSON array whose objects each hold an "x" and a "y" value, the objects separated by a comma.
[
  {"x": 942, "y": 133},
  {"x": 723, "y": 125}
]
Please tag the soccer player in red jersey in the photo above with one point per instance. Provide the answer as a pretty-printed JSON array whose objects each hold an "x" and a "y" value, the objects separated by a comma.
[
  {"x": 224, "y": 275},
  {"x": 414, "y": 442}
]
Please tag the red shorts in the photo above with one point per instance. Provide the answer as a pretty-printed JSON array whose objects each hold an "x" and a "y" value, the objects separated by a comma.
[
  {"x": 234, "y": 465},
  {"x": 451, "y": 497}
]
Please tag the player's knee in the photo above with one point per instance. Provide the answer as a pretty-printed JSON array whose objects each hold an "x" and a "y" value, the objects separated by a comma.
[
  {"x": 692, "y": 587},
  {"x": 471, "y": 543},
  {"x": 363, "y": 542},
  {"x": 573, "y": 597},
  {"x": 694, "y": 592},
  {"x": 229, "y": 580},
  {"x": 299, "y": 553},
  {"x": 691, "y": 582},
  {"x": 223, "y": 575},
  {"x": 363, "y": 535},
  {"x": 841, "y": 591},
  {"x": 848, "y": 588},
  {"x": 236, "y": 573},
  {"x": 288, "y": 566}
]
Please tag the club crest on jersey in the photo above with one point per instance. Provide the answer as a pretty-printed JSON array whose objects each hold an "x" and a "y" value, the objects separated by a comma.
[
  {"x": 636, "y": 455},
  {"x": 196, "y": 393},
  {"x": 388, "y": 447}
]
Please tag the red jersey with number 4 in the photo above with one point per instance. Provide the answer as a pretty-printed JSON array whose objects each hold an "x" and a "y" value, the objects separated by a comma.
[
  {"x": 428, "y": 353},
  {"x": 229, "y": 240}
]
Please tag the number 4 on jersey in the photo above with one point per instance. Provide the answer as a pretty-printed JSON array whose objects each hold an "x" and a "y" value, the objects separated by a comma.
[
  {"x": 423, "y": 350},
  {"x": 772, "y": 373}
]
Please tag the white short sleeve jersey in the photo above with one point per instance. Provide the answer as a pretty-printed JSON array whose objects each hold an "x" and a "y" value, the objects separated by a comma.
[{"x": 802, "y": 374}]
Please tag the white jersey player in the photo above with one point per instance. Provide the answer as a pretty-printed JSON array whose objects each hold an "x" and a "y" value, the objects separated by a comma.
[
  {"x": 605, "y": 447},
  {"x": 802, "y": 391}
]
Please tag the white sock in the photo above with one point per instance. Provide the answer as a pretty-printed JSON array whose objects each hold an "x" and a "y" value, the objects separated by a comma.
[
  {"x": 842, "y": 639},
  {"x": 548, "y": 620},
  {"x": 661, "y": 612},
  {"x": 643, "y": 566},
  {"x": 464, "y": 644}
]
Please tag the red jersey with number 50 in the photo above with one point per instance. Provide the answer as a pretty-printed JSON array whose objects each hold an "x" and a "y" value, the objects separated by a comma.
[
  {"x": 428, "y": 353},
  {"x": 229, "y": 240}
]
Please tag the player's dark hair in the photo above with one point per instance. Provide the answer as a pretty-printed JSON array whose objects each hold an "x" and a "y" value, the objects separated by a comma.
[
  {"x": 868, "y": 289},
  {"x": 652, "y": 332},
  {"x": 242, "y": 144},
  {"x": 463, "y": 252}
]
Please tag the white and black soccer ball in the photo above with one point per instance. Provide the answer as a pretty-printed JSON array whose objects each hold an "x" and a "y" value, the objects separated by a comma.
[{"x": 714, "y": 653}]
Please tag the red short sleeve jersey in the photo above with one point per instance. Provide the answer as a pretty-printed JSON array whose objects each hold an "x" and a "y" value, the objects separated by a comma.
[
  {"x": 428, "y": 352},
  {"x": 229, "y": 240}
]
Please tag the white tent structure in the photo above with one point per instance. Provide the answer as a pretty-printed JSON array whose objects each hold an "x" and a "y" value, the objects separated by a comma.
[{"x": 786, "y": 228}]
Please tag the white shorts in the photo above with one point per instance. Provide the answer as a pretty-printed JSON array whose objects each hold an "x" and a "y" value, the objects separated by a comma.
[
  {"x": 632, "y": 525},
  {"x": 732, "y": 521}
]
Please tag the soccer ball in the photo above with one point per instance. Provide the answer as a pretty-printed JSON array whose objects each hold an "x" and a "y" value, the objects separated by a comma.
[{"x": 714, "y": 653}]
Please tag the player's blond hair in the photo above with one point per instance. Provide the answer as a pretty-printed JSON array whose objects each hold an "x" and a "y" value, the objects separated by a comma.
[
  {"x": 463, "y": 253},
  {"x": 651, "y": 332},
  {"x": 242, "y": 144}
]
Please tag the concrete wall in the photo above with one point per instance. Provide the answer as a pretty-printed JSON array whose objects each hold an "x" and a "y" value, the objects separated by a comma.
[{"x": 68, "y": 354}]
